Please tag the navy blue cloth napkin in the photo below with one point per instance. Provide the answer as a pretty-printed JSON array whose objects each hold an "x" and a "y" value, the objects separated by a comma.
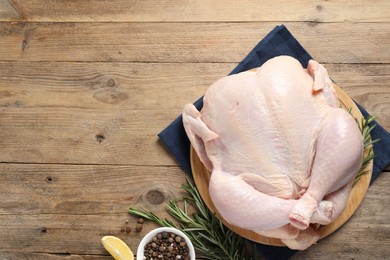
[{"x": 278, "y": 42}]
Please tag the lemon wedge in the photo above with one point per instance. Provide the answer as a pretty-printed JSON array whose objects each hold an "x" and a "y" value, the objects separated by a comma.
[{"x": 117, "y": 248}]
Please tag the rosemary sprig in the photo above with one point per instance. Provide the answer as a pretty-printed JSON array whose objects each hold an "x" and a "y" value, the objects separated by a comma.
[
  {"x": 366, "y": 129},
  {"x": 210, "y": 237}
]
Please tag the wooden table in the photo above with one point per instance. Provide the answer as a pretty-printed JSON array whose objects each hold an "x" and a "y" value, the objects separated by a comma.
[{"x": 86, "y": 86}]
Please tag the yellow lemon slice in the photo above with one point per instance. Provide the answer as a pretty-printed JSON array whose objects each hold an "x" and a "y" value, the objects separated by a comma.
[{"x": 117, "y": 248}]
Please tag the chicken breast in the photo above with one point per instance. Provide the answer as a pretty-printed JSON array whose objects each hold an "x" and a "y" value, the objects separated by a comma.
[{"x": 283, "y": 155}]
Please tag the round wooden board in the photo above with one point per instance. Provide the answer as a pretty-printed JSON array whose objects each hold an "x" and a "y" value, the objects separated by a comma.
[{"x": 202, "y": 177}]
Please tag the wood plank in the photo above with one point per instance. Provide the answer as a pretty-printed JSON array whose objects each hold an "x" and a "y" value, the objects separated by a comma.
[
  {"x": 98, "y": 85},
  {"x": 186, "y": 42},
  {"x": 67, "y": 234},
  {"x": 66, "y": 209},
  {"x": 80, "y": 233},
  {"x": 33, "y": 189},
  {"x": 63, "y": 203},
  {"x": 205, "y": 10},
  {"x": 71, "y": 135},
  {"x": 49, "y": 256},
  {"x": 71, "y": 113},
  {"x": 367, "y": 85},
  {"x": 105, "y": 85}
]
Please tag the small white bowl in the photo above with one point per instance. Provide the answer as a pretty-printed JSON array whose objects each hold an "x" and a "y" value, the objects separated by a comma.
[{"x": 154, "y": 232}]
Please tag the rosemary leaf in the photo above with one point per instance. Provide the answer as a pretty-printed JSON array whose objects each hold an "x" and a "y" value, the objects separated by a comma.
[{"x": 211, "y": 239}]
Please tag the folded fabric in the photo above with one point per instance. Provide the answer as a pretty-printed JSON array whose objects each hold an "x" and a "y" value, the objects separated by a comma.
[{"x": 278, "y": 42}]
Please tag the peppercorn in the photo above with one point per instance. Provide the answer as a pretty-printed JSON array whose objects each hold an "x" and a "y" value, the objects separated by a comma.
[
  {"x": 138, "y": 227},
  {"x": 166, "y": 245}
]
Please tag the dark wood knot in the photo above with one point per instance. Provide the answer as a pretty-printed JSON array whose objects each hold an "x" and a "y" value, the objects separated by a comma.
[{"x": 155, "y": 197}]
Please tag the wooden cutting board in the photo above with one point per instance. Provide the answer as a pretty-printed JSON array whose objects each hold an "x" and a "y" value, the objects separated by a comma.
[{"x": 202, "y": 177}]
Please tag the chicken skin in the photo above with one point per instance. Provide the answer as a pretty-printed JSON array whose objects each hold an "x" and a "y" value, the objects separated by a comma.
[{"x": 282, "y": 153}]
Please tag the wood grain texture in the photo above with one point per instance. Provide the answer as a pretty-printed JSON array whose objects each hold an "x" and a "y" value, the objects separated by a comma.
[
  {"x": 106, "y": 112},
  {"x": 86, "y": 86},
  {"x": 68, "y": 208},
  {"x": 186, "y": 42},
  {"x": 71, "y": 135},
  {"x": 66, "y": 233},
  {"x": 107, "y": 85},
  {"x": 22, "y": 232},
  {"x": 204, "y": 10},
  {"x": 47, "y": 256},
  {"x": 85, "y": 189}
]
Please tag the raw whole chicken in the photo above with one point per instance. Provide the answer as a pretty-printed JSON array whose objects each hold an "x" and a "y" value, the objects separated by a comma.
[{"x": 282, "y": 153}]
